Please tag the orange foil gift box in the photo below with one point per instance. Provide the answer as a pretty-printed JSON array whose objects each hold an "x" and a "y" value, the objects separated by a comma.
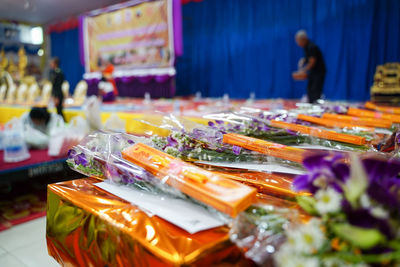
[
  {"x": 320, "y": 133},
  {"x": 87, "y": 226},
  {"x": 385, "y": 109},
  {"x": 362, "y": 121},
  {"x": 373, "y": 114},
  {"x": 330, "y": 123},
  {"x": 265, "y": 147},
  {"x": 213, "y": 189}
]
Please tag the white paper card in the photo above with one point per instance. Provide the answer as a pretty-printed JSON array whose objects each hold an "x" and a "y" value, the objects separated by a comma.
[
  {"x": 186, "y": 215},
  {"x": 261, "y": 167}
]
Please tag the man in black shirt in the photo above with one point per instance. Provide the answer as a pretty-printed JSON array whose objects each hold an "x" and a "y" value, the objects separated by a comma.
[
  {"x": 57, "y": 79},
  {"x": 313, "y": 64}
]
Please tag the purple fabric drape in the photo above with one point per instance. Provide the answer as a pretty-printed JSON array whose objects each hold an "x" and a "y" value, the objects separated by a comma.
[
  {"x": 135, "y": 87},
  {"x": 177, "y": 18},
  {"x": 81, "y": 37}
]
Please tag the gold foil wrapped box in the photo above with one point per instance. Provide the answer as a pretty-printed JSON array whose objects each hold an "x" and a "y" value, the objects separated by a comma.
[{"x": 87, "y": 226}]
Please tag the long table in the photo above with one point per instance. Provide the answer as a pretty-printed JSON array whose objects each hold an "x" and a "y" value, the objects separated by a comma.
[{"x": 40, "y": 164}]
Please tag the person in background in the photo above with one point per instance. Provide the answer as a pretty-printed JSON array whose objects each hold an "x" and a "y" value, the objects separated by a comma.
[
  {"x": 107, "y": 86},
  {"x": 57, "y": 79},
  {"x": 313, "y": 65},
  {"x": 38, "y": 125}
]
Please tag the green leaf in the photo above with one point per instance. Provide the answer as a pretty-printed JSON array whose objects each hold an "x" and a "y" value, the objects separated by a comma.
[
  {"x": 308, "y": 204},
  {"x": 350, "y": 257},
  {"x": 52, "y": 206},
  {"x": 356, "y": 185},
  {"x": 67, "y": 219},
  {"x": 360, "y": 237}
]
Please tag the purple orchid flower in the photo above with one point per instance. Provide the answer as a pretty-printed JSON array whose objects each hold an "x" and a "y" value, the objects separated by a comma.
[
  {"x": 384, "y": 184},
  {"x": 324, "y": 169},
  {"x": 236, "y": 150},
  {"x": 397, "y": 139},
  {"x": 171, "y": 142},
  {"x": 362, "y": 217},
  {"x": 80, "y": 159},
  {"x": 71, "y": 153},
  {"x": 265, "y": 128}
]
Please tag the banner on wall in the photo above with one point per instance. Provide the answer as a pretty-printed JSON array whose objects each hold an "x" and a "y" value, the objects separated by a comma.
[{"x": 136, "y": 37}]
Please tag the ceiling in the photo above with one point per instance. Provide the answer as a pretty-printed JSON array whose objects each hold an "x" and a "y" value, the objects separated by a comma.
[{"x": 48, "y": 11}]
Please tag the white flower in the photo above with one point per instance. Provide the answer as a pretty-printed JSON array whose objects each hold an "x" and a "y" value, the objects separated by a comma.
[
  {"x": 321, "y": 181},
  {"x": 365, "y": 201},
  {"x": 376, "y": 211},
  {"x": 307, "y": 238},
  {"x": 328, "y": 201},
  {"x": 379, "y": 212}
]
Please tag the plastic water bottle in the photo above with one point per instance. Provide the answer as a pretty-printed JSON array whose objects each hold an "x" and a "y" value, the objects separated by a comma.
[
  {"x": 177, "y": 107},
  {"x": 251, "y": 99},
  {"x": 252, "y": 96},
  {"x": 147, "y": 98},
  {"x": 197, "y": 96},
  {"x": 225, "y": 99},
  {"x": 14, "y": 144}
]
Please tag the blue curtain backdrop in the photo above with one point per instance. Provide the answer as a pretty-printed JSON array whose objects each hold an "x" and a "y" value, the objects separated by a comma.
[
  {"x": 65, "y": 46},
  {"x": 243, "y": 46}
]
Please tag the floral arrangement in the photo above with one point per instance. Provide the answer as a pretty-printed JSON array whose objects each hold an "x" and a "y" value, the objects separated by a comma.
[
  {"x": 357, "y": 214},
  {"x": 90, "y": 156},
  {"x": 256, "y": 124},
  {"x": 204, "y": 144},
  {"x": 255, "y": 127}
]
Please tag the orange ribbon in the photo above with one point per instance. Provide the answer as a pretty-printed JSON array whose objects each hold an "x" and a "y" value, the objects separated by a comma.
[
  {"x": 320, "y": 133},
  {"x": 373, "y": 114},
  {"x": 384, "y": 109},
  {"x": 331, "y": 123},
  {"x": 265, "y": 147},
  {"x": 362, "y": 121}
]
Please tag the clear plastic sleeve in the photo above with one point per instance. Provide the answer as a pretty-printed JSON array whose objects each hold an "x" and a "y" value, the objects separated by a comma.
[
  {"x": 260, "y": 231},
  {"x": 192, "y": 141},
  {"x": 126, "y": 159},
  {"x": 99, "y": 155},
  {"x": 286, "y": 128}
]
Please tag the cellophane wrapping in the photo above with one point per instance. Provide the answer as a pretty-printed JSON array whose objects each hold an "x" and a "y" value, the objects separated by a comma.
[
  {"x": 257, "y": 123},
  {"x": 192, "y": 141},
  {"x": 87, "y": 226}
]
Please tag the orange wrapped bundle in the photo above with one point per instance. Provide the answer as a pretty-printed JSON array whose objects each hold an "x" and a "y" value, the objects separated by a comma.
[
  {"x": 331, "y": 123},
  {"x": 265, "y": 147},
  {"x": 320, "y": 133},
  {"x": 392, "y": 110},
  {"x": 215, "y": 190},
  {"x": 87, "y": 226},
  {"x": 362, "y": 121},
  {"x": 372, "y": 114},
  {"x": 279, "y": 185}
]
